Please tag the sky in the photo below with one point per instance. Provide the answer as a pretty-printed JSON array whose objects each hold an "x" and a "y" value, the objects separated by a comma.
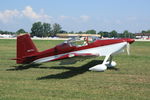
[{"x": 76, "y": 15}]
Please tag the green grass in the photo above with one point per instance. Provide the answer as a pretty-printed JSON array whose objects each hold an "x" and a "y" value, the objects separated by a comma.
[{"x": 51, "y": 81}]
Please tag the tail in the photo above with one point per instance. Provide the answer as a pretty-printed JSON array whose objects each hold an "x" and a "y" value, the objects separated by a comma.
[{"x": 25, "y": 48}]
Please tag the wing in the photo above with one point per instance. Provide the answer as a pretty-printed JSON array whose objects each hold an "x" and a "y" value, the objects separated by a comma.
[{"x": 73, "y": 58}]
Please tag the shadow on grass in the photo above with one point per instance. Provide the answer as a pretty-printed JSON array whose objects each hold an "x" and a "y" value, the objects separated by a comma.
[
  {"x": 73, "y": 71},
  {"x": 24, "y": 67}
]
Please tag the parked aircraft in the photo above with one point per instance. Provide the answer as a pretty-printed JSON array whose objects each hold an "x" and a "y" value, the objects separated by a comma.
[{"x": 27, "y": 52}]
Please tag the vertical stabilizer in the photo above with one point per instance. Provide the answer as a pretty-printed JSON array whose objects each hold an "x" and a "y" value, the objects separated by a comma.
[{"x": 25, "y": 47}]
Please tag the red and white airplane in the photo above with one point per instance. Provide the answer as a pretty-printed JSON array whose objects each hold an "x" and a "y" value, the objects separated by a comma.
[{"x": 27, "y": 52}]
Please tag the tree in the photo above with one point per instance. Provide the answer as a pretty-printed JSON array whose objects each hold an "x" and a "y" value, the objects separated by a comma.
[
  {"x": 20, "y": 31},
  {"x": 41, "y": 29},
  {"x": 1, "y": 32},
  {"x": 113, "y": 33},
  {"x": 148, "y": 31},
  {"x": 80, "y": 32},
  {"x": 46, "y": 29},
  {"x": 56, "y": 29},
  {"x": 143, "y": 31},
  {"x": 6, "y": 32},
  {"x": 72, "y": 32},
  {"x": 63, "y": 31},
  {"x": 101, "y": 33},
  {"x": 37, "y": 29},
  {"x": 90, "y": 32},
  {"x": 127, "y": 34},
  {"x": 105, "y": 34}
]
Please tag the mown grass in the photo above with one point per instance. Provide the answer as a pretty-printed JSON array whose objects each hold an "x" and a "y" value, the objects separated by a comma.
[{"x": 51, "y": 81}]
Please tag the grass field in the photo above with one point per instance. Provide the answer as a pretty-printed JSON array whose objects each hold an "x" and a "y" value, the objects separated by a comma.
[{"x": 51, "y": 81}]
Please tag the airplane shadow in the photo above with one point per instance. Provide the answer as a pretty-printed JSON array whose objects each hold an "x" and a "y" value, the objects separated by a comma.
[
  {"x": 72, "y": 71},
  {"x": 24, "y": 67}
]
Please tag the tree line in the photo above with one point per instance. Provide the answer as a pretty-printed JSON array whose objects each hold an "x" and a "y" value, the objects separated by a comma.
[{"x": 40, "y": 29}]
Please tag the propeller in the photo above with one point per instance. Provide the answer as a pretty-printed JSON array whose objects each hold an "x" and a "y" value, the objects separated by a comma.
[{"x": 128, "y": 48}]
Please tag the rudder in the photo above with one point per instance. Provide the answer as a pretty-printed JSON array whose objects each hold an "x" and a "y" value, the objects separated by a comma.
[{"x": 25, "y": 47}]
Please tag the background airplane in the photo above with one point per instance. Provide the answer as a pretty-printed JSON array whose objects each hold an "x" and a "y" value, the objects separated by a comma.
[{"x": 27, "y": 52}]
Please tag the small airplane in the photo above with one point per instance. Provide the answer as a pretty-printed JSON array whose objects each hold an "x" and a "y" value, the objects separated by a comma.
[
  {"x": 27, "y": 52},
  {"x": 6, "y": 36}
]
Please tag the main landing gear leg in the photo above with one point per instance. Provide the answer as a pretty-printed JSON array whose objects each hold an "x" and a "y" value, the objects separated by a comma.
[
  {"x": 110, "y": 63},
  {"x": 106, "y": 64},
  {"x": 100, "y": 67}
]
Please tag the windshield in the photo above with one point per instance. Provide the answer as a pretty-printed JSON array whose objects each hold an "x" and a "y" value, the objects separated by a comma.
[{"x": 81, "y": 41}]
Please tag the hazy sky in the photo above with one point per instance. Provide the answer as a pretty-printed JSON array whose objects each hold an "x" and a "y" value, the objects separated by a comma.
[{"x": 76, "y": 15}]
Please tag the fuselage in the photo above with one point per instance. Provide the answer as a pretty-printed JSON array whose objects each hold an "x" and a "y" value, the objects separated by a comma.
[{"x": 65, "y": 50}]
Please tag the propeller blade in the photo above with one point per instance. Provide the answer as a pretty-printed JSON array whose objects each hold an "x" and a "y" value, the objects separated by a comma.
[{"x": 128, "y": 48}]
